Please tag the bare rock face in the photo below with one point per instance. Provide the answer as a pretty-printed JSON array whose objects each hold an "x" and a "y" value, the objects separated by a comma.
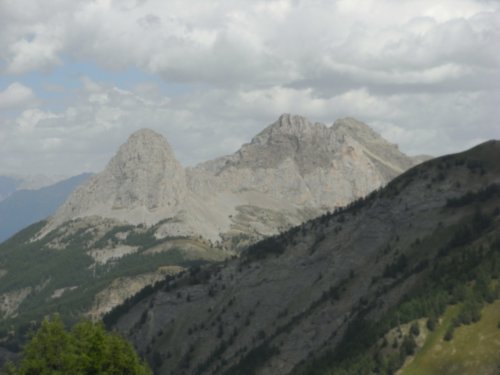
[
  {"x": 306, "y": 164},
  {"x": 297, "y": 168},
  {"x": 143, "y": 183}
]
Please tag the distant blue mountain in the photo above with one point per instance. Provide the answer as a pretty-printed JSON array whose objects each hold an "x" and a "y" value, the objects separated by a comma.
[
  {"x": 25, "y": 207},
  {"x": 8, "y": 185}
]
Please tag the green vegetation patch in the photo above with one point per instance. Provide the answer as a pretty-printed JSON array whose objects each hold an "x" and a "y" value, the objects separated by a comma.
[
  {"x": 86, "y": 349},
  {"x": 71, "y": 272},
  {"x": 474, "y": 349}
]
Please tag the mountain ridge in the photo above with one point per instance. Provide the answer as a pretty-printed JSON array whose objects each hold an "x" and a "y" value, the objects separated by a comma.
[
  {"x": 118, "y": 233},
  {"x": 292, "y": 164},
  {"x": 290, "y": 299}
]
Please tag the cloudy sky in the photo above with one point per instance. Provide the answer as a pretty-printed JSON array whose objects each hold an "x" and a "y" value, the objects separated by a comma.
[{"x": 77, "y": 77}]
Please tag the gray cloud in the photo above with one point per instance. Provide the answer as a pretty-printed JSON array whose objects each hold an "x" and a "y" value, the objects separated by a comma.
[{"x": 16, "y": 95}]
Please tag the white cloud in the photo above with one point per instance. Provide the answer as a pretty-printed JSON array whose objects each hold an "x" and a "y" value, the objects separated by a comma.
[
  {"x": 30, "y": 118},
  {"x": 424, "y": 73},
  {"x": 16, "y": 95},
  {"x": 38, "y": 54},
  {"x": 262, "y": 42}
]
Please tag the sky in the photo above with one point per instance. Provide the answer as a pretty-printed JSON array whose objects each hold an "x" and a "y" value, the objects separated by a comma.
[{"x": 78, "y": 77}]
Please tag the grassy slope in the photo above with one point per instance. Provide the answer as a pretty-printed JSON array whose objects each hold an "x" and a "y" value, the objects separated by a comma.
[{"x": 475, "y": 349}]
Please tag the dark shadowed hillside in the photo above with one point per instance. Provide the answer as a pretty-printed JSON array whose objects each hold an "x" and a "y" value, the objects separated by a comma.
[{"x": 324, "y": 297}]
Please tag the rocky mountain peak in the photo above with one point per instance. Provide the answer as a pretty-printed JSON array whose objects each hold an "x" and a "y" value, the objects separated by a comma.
[
  {"x": 292, "y": 164},
  {"x": 145, "y": 155},
  {"x": 308, "y": 164},
  {"x": 143, "y": 183},
  {"x": 146, "y": 172},
  {"x": 291, "y": 127},
  {"x": 144, "y": 143}
]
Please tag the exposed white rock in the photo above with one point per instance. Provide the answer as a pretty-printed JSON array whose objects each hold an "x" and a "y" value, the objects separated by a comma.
[
  {"x": 103, "y": 256},
  {"x": 293, "y": 167},
  {"x": 58, "y": 293},
  {"x": 125, "y": 287},
  {"x": 143, "y": 183},
  {"x": 9, "y": 302},
  {"x": 306, "y": 164}
]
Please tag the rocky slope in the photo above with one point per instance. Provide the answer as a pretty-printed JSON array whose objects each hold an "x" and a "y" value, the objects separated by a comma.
[
  {"x": 291, "y": 171},
  {"x": 307, "y": 164},
  {"x": 290, "y": 299}
]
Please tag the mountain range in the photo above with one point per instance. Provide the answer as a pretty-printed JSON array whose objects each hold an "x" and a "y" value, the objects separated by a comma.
[
  {"x": 145, "y": 217},
  {"x": 293, "y": 170},
  {"x": 312, "y": 250},
  {"x": 24, "y": 207},
  {"x": 12, "y": 183}
]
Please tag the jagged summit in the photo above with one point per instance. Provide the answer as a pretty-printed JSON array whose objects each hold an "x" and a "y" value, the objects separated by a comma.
[
  {"x": 296, "y": 126},
  {"x": 310, "y": 146},
  {"x": 291, "y": 166},
  {"x": 306, "y": 163},
  {"x": 291, "y": 127}
]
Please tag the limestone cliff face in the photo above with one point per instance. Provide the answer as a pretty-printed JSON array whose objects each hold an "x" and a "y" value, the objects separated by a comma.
[
  {"x": 294, "y": 167},
  {"x": 306, "y": 164},
  {"x": 143, "y": 183}
]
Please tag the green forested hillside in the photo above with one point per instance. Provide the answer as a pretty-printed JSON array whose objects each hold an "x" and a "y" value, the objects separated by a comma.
[{"x": 36, "y": 270}]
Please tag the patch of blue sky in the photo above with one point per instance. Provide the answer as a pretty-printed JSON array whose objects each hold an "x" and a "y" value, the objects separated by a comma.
[{"x": 57, "y": 86}]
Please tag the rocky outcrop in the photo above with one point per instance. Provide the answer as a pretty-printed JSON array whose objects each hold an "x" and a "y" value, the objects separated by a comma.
[
  {"x": 143, "y": 183},
  {"x": 293, "y": 167},
  {"x": 306, "y": 164},
  {"x": 9, "y": 302},
  {"x": 126, "y": 287}
]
